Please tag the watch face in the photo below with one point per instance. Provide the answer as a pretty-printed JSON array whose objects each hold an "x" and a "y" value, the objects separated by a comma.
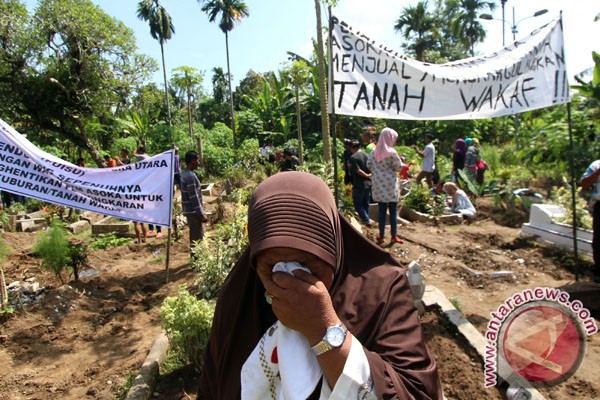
[{"x": 335, "y": 336}]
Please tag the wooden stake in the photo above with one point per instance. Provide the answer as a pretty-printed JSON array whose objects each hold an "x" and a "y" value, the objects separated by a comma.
[
  {"x": 168, "y": 258},
  {"x": 3, "y": 292}
]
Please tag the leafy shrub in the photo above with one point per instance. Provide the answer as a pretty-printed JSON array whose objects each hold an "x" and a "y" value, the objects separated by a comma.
[
  {"x": 419, "y": 199},
  {"x": 53, "y": 247},
  {"x": 159, "y": 137},
  {"x": 219, "y": 154},
  {"x": 236, "y": 176},
  {"x": 6, "y": 313},
  {"x": 248, "y": 154},
  {"x": 438, "y": 204},
  {"x": 16, "y": 208},
  {"x": 315, "y": 153},
  {"x": 249, "y": 125},
  {"x": 32, "y": 204},
  {"x": 322, "y": 170},
  {"x": 78, "y": 257},
  {"x": 214, "y": 256},
  {"x": 129, "y": 143},
  {"x": 562, "y": 197},
  {"x": 108, "y": 240},
  {"x": 491, "y": 155},
  {"x": 187, "y": 321},
  {"x": 55, "y": 151}
]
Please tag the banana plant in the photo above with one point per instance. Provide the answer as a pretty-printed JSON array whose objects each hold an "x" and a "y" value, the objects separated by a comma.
[{"x": 273, "y": 104}]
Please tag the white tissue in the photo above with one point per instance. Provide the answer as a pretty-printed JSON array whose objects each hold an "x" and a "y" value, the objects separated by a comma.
[{"x": 289, "y": 267}]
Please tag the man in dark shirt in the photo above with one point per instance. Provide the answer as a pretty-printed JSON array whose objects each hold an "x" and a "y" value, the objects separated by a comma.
[
  {"x": 191, "y": 198},
  {"x": 361, "y": 182}
]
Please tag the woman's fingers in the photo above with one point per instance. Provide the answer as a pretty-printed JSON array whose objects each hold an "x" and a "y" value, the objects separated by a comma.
[
  {"x": 273, "y": 289},
  {"x": 287, "y": 281},
  {"x": 305, "y": 276}
]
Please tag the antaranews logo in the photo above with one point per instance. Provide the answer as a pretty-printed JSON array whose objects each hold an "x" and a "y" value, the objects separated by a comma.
[{"x": 537, "y": 334}]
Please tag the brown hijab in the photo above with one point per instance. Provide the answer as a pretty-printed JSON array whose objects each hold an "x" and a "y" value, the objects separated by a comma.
[{"x": 370, "y": 293}]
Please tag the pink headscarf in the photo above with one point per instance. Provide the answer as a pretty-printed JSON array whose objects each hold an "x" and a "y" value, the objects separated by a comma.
[{"x": 385, "y": 144}]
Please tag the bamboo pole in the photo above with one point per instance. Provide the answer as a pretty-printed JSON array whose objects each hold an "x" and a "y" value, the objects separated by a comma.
[
  {"x": 333, "y": 119},
  {"x": 573, "y": 191}
]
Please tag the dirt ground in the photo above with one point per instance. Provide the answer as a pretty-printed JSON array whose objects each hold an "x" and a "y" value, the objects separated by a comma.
[
  {"x": 445, "y": 251},
  {"x": 84, "y": 340}
]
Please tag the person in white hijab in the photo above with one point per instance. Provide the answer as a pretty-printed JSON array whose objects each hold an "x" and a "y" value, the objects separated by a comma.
[{"x": 384, "y": 164}]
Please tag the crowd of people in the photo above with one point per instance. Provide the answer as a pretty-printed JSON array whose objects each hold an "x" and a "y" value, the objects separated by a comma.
[
  {"x": 466, "y": 155},
  {"x": 286, "y": 159},
  {"x": 377, "y": 173}
]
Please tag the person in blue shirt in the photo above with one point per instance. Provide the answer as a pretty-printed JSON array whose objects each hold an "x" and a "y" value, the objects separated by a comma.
[{"x": 191, "y": 198}]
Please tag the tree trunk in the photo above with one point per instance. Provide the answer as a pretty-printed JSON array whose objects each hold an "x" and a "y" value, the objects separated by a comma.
[
  {"x": 229, "y": 82},
  {"x": 299, "y": 126},
  {"x": 189, "y": 110},
  {"x": 200, "y": 147},
  {"x": 89, "y": 145},
  {"x": 322, "y": 86},
  {"x": 162, "y": 54}
]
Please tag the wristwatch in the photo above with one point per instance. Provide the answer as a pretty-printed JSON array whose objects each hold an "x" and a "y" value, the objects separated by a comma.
[{"x": 334, "y": 338}]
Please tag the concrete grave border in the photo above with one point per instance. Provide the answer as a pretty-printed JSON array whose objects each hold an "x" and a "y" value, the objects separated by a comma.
[{"x": 435, "y": 298}]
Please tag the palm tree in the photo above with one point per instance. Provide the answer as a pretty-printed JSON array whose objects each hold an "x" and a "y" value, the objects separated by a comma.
[
  {"x": 219, "y": 82},
  {"x": 419, "y": 26},
  {"x": 466, "y": 24},
  {"x": 161, "y": 29},
  {"x": 186, "y": 80},
  {"x": 231, "y": 11}
]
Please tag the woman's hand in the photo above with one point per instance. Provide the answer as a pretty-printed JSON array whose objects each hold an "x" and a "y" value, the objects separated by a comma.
[{"x": 302, "y": 302}]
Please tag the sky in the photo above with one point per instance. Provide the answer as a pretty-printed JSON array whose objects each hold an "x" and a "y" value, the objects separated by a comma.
[{"x": 261, "y": 41}]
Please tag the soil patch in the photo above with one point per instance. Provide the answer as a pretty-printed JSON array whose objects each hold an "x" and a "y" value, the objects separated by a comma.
[
  {"x": 459, "y": 366},
  {"x": 83, "y": 340}
]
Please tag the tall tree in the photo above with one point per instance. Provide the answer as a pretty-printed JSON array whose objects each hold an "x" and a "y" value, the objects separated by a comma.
[
  {"x": 251, "y": 85},
  {"x": 161, "y": 29},
  {"x": 187, "y": 80},
  {"x": 13, "y": 54},
  {"x": 219, "y": 82},
  {"x": 74, "y": 79},
  {"x": 466, "y": 24},
  {"x": 230, "y": 12},
  {"x": 322, "y": 84},
  {"x": 419, "y": 27}
]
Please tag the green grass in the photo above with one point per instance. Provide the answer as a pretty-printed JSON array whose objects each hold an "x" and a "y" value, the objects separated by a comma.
[
  {"x": 122, "y": 391},
  {"x": 158, "y": 260},
  {"x": 107, "y": 241},
  {"x": 456, "y": 303}
]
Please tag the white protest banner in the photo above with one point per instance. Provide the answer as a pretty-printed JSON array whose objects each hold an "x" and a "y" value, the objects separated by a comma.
[
  {"x": 371, "y": 80},
  {"x": 139, "y": 192}
]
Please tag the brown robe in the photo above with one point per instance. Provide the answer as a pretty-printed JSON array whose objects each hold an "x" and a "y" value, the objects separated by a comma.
[{"x": 370, "y": 294}]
